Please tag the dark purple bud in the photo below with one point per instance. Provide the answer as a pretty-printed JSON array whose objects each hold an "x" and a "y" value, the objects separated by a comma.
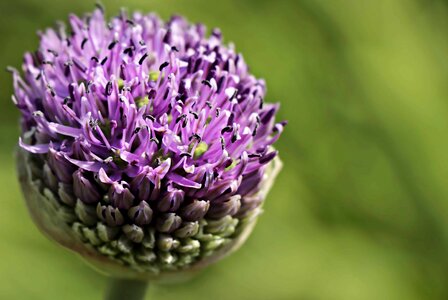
[
  {"x": 141, "y": 214},
  {"x": 172, "y": 200},
  {"x": 120, "y": 196},
  {"x": 110, "y": 215},
  {"x": 195, "y": 210},
  {"x": 250, "y": 182},
  {"x": 84, "y": 189},
  {"x": 168, "y": 222},
  {"x": 141, "y": 186},
  {"x": 61, "y": 167},
  {"x": 228, "y": 207},
  {"x": 268, "y": 157}
]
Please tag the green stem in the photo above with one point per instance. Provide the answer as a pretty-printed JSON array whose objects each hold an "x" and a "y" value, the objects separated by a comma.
[{"x": 126, "y": 289}]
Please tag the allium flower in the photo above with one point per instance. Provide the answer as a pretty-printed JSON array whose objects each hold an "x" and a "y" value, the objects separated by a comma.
[{"x": 146, "y": 145}]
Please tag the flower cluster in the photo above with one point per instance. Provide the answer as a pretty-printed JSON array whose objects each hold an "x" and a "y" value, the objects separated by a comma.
[{"x": 152, "y": 137}]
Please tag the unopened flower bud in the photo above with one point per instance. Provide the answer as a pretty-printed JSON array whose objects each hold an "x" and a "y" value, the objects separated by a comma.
[
  {"x": 171, "y": 201},
  {"x": 141, "y": 214},
  {"x": 168, "y": 222},
  {"x": 195, "y": 210},
  {"x": 120, "y": 195},
  {"x": 84, "y": 189}
]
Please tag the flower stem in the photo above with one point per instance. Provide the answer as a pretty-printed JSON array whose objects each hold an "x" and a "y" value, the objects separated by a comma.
[{"x": 128, "y": 289}]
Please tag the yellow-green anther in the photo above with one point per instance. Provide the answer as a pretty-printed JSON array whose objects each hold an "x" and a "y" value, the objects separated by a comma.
[
  {"x": 120, "y": 83},
  {"x": 209, "y": 119},
  {"x": 233, "y": 165},
  {"x": 142, "y": 101},
  {"x": 134, "y": 233},
  {"x": 201, "y": 148},
  {"x": 154, "y": 75}
]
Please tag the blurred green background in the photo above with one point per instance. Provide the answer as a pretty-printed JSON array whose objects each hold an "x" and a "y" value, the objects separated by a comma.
[{"x": 360, "y": 210}]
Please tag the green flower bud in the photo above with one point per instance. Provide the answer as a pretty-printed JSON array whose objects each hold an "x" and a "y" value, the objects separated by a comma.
[{"x": 136, "y": 244}]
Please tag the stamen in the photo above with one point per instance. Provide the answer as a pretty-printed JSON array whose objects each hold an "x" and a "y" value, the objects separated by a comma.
[
  {"x": 207, "y": 83},
  {"x": 163, "y": 66},
  {"x": 254, "y": 133},
  {"x": 195, "y": 114},
  {"x": 109, "y": 88},
  {"x": 130, "y": 22},
  {"x": 140, "y": 62},
  {"x": 99, "y": 6},
  {"x": 52, "y": 91},
  {"x": 112, "y": 45},
  {"x": 231, "y": 118},
  {"x": 129, "y": 50},
  {"x": 181, "y": 117},
  {"x": 195, "y": 136},
  {"x": 234, "y": 136},
  {"x": 226, "y": 129},
  {"x": 233, "y": 95},
  {"x": 152, "y": 94},
  {"x": 150, "y": 117},
  {"x": 55, "y": 54},
  {"x": 83, "y": 43},
  {"x": 104, "y": 61}
]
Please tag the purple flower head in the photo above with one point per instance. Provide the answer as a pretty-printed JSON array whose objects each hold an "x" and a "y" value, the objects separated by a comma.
[{"x": 151, "y": 124}]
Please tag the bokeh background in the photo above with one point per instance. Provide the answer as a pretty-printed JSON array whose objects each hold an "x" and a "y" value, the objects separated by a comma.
[{"x": 360, "y": 210}]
